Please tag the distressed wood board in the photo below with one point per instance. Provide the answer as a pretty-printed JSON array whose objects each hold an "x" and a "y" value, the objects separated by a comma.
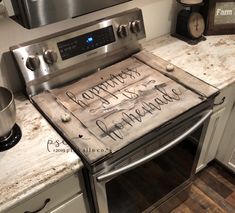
[
  {"x": 116, "y": 106},
  {"x": 74, "y": 130},
  {"x": 179, "y": 75}
]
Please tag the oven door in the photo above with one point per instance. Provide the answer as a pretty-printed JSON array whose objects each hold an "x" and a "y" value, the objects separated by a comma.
[{"x": 149, "y": 176}]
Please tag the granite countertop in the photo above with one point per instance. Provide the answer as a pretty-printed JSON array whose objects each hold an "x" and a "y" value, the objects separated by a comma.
[
  {"x": 212, "y": 61},
  {"x": 35, "y": 162}
]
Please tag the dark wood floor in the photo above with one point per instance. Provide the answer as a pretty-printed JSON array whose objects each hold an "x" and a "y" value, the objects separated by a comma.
[{"x": 213, "y": 191}]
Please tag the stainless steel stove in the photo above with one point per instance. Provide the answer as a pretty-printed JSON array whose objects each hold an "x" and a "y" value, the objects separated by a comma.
[{"x": 136, "y": 121}]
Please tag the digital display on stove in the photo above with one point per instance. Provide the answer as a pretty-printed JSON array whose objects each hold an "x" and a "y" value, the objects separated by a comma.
[{"x": 86, "y": 42}]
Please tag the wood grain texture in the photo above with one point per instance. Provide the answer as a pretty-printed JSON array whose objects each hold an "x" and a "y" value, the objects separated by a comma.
[
  {"x": 231, "y": 199},
  {"x": 215, "y": 184},
  {"x": 213, "y": 191},
  {"x": 73, "y": 130},
  {"x": 183, "y": 208},
  {"x": 116, "y": 106},
  {"x": 178, "y": 74}
]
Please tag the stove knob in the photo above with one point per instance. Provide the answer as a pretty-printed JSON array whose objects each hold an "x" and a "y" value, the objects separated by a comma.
[
  {"x": 123, "y": 31},
  {"x": 50, "y": 56},
  {"x": 136, "y": 26},
  {"x": 33, "y": 62}
]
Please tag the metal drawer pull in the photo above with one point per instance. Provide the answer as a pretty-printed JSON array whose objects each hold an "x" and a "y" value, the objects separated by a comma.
[
  {"x": 158, "y": 152},
  {"x": 44, "y": 205},
  {"x": 221, "y": 102}
]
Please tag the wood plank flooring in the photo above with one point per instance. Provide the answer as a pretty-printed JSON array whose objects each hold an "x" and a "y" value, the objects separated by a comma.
[{"x": 213, "y": 191}]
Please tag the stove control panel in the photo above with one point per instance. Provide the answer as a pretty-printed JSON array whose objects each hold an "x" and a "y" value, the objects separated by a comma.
[
  {"x": 117, "y": 35},
  {"x": 86, "y": 42}
]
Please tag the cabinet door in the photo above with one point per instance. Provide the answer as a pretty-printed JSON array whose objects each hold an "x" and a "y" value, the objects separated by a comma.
[
  {"x": 226, "y": 152},
  {"x": 212, "y": 138},
  {"x": 75, "y": 205},
  {"x": 216, "y": 127}
]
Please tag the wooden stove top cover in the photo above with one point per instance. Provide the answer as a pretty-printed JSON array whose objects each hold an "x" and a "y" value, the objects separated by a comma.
[{"x": 112, "y": 108}]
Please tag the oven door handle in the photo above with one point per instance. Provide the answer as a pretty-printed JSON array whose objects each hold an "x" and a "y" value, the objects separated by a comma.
[{"x": 110, "y": 175}]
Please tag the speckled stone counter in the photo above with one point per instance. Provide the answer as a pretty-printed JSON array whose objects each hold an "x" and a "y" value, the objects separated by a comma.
[
  {"x": 212, "y": 60},
  {"x": 40, "y": 158}
]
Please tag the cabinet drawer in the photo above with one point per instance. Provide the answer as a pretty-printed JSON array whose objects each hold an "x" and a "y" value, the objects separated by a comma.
[
  {"x": 57, "y": 193},
  {"x": 75, "y": 205}
]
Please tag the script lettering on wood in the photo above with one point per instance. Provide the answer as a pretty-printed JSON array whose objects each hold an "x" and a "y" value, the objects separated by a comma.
[
  {"x": 102, "y": 89},
  {"x": 125, "y": 101},
  {"x": 114, "y": 131}
]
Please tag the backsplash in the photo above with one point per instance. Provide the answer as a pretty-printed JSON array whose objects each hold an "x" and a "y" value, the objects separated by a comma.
[{"x": 158, "y": 17}]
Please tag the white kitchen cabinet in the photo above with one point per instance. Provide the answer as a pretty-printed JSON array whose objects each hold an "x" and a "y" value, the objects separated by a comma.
[
  {"x": 226, "y": 151},
  {"x": 216, "y": 127},
  {"x": 75, "y": 204},
  {"x": 67, "y": 195}
]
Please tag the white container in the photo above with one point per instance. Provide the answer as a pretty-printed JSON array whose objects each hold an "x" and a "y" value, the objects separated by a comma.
[{"x": 190, "y": 2}]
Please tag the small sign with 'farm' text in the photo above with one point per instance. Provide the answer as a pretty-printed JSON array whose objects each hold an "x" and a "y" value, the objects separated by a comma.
[{"x": 224, "y": 13}]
